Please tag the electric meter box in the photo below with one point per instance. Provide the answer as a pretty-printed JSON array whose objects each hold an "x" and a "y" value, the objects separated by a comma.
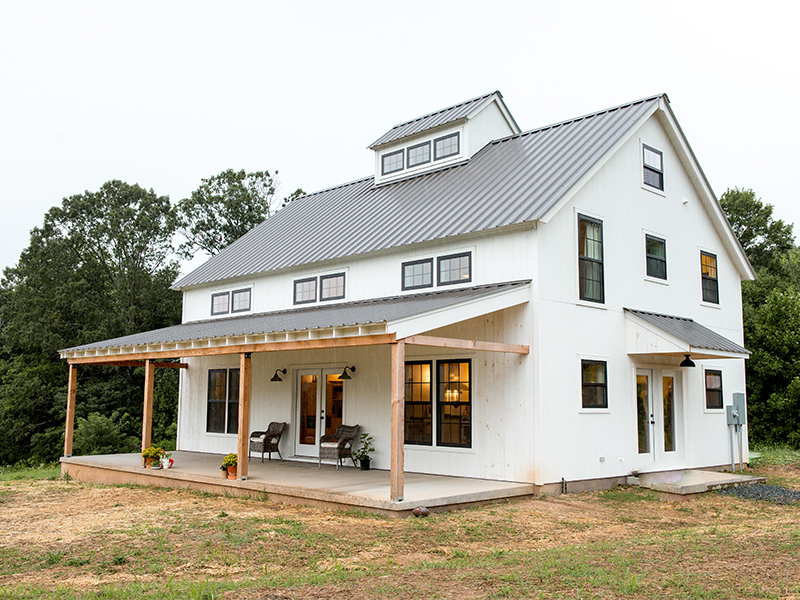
[{"x": 737, "y": 413}]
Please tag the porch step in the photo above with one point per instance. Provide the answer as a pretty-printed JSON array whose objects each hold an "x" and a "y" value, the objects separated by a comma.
[{"x": 689, "y": 482}]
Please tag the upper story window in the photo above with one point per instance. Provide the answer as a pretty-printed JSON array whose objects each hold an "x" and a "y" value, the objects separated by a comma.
[
  {"x": 305, "y": 290},
  {"x": 220, "y": 303},
  {"x": 392, "y": 162},
  {"x": 419, "y": 154},
  {"x": 653, "y": 167},
  {"x": 418, "y": 274},
  {"x": 590, "y": 259},
  {"x": 456, "y": 268},
  {"x": 713, "y": 389},
  {"x": 656, "y": 250},
  {"x": 446, "y": 146},
  {"x": 332, "y": 287},
  {"x": 594, "y": 390},
  {"x": 240, "y": 300},
  {"x": 708, "y": 267}
]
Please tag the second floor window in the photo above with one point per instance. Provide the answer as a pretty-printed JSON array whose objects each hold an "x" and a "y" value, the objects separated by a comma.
[
  {"x": 240, "y": 300},
  {"x": 590, "y": 259},
  {"x": 418, "y": 274},
  {"x": 456, "y": 268},
  {"x": 305, "y": 290},
  {"x": 220, "y": 303},
  {"x": 708, "y": 267},
  {"x": 653, "y": 167},
  {"x": 331, "y": 287},
  {"x": 656, "y": 250}
]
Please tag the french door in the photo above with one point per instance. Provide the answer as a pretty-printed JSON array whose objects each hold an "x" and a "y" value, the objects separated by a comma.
[
  {"x": 320, "y": 407},
  {"x": 658, "y": 414}
]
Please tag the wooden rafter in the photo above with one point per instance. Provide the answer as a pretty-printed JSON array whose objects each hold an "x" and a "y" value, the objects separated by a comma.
[
  {"x": 141, "y": 363},
  {"x": 440, "y": 342},
  {"x": 344, "y": 342}
]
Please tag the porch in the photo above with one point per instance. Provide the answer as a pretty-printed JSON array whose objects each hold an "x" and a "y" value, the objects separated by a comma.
[{"x": 297, "y": 482}]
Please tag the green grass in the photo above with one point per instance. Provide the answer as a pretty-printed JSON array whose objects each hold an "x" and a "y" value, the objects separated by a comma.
[
  {"x": 50, "y": 472},
  {"x": 775, "y": 455}
]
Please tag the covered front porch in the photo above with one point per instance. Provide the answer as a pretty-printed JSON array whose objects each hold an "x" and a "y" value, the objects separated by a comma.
[{"x": 302, "y": 482}]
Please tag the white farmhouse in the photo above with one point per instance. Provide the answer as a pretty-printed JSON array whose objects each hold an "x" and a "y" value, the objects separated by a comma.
[{"x": 505, "y": 305}]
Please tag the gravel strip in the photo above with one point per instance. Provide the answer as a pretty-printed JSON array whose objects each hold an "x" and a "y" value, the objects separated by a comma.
[{"x": 760, "y": 491}]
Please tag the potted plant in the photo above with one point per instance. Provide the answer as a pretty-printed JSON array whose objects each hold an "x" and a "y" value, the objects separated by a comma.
[
  {"x": 229, "y": 462},
  {"x": 152, "y": 457},
  {"x": 365, "y": 449}
]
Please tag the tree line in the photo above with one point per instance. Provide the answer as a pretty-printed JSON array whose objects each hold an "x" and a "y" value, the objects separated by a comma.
[
  {"x": 101, "y": 264},
  {"x": 99, "y": 267}
]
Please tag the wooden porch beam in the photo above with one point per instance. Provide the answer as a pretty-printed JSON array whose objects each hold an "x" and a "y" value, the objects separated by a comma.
[
  {"x": 140, "y": 363},
  {"x": 440, "y": 342},
  {"x": 72, "y": 388},
  {"x": 397, "y": 467},
  {"x": 344, "y": 342},
  {"x": 147, "y": 413},
  {"x": 243, "y": 448}
]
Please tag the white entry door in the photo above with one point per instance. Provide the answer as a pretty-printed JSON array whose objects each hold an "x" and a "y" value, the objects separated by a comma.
[
  {"x": 320, "y": 407},
  {"x": 658, "y": 414}
]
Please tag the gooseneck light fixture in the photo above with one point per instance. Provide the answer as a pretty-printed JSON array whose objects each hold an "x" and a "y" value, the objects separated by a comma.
[
  {"x": 277, "y": 377},
  {"x": 687, "y": 362},
  {"x": 344, "y": 374}
]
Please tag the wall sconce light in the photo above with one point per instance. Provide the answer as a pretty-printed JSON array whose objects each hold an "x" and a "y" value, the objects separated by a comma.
[
  {"x": 687, "y": 362},
  {"x": 344, "y": 374},
  {"x": 277, "y": 377}
]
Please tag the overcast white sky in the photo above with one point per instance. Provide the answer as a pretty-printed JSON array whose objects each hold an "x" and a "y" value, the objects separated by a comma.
[{"x": 164, "y": 94}]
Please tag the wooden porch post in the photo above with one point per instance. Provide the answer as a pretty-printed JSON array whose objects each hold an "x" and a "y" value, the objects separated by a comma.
[
  {"x": 147, "y": 413},
  {"x": 244, "y": 415},
  {"x": 396, "y": 473},
  {"x": 71, "y": 391}
]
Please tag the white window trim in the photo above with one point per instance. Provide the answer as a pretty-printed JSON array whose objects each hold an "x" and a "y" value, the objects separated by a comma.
[{"x": 650, "y": 188}]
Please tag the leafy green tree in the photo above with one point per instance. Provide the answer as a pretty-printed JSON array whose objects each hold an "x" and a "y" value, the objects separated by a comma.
[
  {"x": 99, "y": 267},
  {"x": 225, "y": 207},
  {"x": 765, "y": 240}
]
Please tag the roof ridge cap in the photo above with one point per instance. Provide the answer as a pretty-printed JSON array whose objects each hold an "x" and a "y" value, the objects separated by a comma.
[{"x": 441, "y": 110}]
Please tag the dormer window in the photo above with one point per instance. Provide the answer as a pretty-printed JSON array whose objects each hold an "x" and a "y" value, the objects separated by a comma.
[
  {"x": 446, "y": 146},
  {"x": 419, "y": 154},
  {"x": 392, "y": 162}
]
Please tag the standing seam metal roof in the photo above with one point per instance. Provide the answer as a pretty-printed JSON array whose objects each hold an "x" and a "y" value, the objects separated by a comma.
[
  {"x": 690, "y": 331},
  {"x": 513, "y": 180},
  {"x": 431, "y": 120},
  {"x": 359, "y": 312}
]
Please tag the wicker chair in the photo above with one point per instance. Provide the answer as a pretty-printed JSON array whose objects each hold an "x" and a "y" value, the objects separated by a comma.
[
  {"x": 339, "y": 445},
  {"x": 267, "y": 441}
]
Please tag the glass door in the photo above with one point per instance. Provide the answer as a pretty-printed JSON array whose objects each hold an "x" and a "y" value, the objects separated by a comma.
[
  {"x": 658, "y": 413},
  {"x": 644, "y": 415},
  {"x": 320, "y": 407}
]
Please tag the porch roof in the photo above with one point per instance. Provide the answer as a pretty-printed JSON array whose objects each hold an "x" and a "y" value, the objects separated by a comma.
[
  {"x": 653, "y": 333},
  {"x": 400, "y": 316}
]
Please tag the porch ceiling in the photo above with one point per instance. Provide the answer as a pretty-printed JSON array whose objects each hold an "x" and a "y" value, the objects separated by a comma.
[
  {"x": 655, "y": 334},
  {"x": 364, "y": 322}
]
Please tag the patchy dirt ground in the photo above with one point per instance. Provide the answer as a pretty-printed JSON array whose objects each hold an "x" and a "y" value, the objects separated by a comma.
[{"x": 59, "y": 535}]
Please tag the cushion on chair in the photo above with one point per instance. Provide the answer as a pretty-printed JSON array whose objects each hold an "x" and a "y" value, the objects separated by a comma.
[
  {"x": 329, "y": 444},
  {"x": 258, "y": 439}
]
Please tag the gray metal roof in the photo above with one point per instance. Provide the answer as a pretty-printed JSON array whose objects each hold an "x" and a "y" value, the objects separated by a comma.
[
  {"x": 512, "y": 180},
  {"x": 361, "y": 312},
  {"x": 429, "y": 121},
  {"x": 690, "y": 331}
]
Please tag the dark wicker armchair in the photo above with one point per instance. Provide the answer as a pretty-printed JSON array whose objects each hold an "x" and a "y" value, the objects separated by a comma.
[
  {"x": 267, "y": 441},
  {"x": 339, "y": 445}
]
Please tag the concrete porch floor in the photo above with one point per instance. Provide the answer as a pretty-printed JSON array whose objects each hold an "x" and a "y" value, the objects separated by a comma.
[{"x": 297, "y": 482}]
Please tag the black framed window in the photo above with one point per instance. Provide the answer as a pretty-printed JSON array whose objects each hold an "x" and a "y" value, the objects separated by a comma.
[
  {"x": 454, "y": 403},
  {"x": 305, "y": 290},
  {"x": 656, "y": 251},
  {"x": 240, "y": 300},
  {"x": 713, "y": 389},
  {"x": 419, "y": 154},
  {"x": 392, "y": 162},
  {"x": 220, "y": 303},
  {"x": 418, "y": 404},
  {"x": 222, "y": 415},
  {"x": 455, "y": 268},
  {"x": 331, "y": 287},
  {"x": 590, "y": 261},
  {"x": 594, "y": 389},
  {"x": 653, "y": 167},
  {"x": 418, "y": 274},
  {"x": 448, "y": 145},
  {"x": 708, "y": 267}
]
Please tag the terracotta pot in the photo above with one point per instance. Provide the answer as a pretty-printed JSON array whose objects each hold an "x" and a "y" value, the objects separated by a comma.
[
  {"x": 224, "y": 473},
  {"x": 231, "y": 472},
  {"x": 147, "y": 462}
]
